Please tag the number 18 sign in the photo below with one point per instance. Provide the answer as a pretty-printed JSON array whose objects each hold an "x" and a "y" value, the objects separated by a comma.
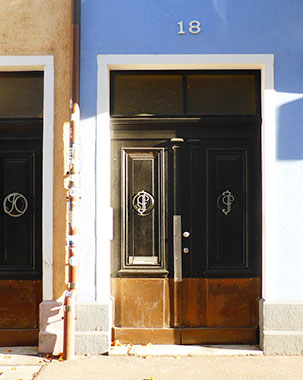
[{"x": 194, "y": 27}]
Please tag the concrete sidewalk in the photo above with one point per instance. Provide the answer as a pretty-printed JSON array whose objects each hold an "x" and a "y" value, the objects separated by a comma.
[
  {"x": 159, "y": 362},
  {"x": 19, "y": 363}
]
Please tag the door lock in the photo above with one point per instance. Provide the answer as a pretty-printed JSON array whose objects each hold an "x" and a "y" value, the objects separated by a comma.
[
  {"x": 186, "y": 234},
  {"x": 185, "y": 250}
]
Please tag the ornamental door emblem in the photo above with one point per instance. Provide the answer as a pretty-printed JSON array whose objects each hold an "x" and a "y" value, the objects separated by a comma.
[
  {"x": 225, "y": 202},
  {"x": 15, "y": 204},
  {"x": 143, "y": 203}
]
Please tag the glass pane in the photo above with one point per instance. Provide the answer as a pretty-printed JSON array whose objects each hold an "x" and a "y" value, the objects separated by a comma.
[
  {"x": 221, "y": 94},
  {"x": 148, "y": 95},
  {"x": 21, "y": 95}
]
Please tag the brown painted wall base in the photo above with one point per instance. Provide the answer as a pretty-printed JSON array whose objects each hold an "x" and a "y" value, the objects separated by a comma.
[
  {"x": 19, "y": 337},
  {"x": 243, "y": 335}
]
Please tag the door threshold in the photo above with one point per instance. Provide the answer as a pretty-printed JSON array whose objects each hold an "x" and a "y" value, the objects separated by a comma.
[
  {"x": 151, "y": 350},
  {"x": 184, "y": 336}
]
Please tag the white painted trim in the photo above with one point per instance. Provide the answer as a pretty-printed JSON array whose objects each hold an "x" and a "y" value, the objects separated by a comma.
[
  {"x": 104, "y": 216},
  {"x": 25, "y": 62},
  {"x": 42, "y": 63},
  {"x": 47, "y": 182},
  {"x": 264, "y": 62},
  {"x": 192, "y": 62}
]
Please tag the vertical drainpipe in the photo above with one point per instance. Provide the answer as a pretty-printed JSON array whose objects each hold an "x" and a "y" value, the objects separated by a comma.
[{"x": 73, "y": 190}]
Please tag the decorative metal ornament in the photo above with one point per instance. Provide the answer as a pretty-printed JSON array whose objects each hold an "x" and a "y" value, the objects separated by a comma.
[
  {"x": 15, "y": 204},
  {"x": 225, "y": 202},
  {"x": 143, "y": 203}
]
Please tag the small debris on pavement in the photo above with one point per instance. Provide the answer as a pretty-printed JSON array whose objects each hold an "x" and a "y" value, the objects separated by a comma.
[
  {"x": 116, "y": 343},
  {"x": 48, "y": 358}
]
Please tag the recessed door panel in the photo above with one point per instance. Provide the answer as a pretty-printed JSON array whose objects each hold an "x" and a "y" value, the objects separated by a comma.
[
  {"x": 18, "y": 218},
  {"x": 142, "y": 179},
  {"x": 20, "y": 212},
  {"x": 227, "y": 190},
  {"x": 142, "y": 210}
]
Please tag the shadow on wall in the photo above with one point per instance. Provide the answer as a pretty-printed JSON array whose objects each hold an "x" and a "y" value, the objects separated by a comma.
[
  {"x": 290, "y": 131},
  {"x": 51, "y": 327}
]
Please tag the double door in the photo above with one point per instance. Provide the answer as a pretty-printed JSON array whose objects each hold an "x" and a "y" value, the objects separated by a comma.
[{"x": 191, "y": 222}]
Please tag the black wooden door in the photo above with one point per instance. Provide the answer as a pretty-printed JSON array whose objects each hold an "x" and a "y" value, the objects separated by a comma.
[
  {"x": 20, "y": 231},
  {"x": 220, "y": 197}
]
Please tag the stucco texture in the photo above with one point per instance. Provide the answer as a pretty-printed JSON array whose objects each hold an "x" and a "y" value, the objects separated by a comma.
[{"x": 39, "y": 27}]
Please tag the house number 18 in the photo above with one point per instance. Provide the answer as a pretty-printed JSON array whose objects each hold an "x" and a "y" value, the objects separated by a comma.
[{"x": 194, "y": 27}]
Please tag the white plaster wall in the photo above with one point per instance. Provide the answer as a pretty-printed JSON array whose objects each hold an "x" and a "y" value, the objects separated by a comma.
[
  {"x": 288, "y": 266},
  {"x": 289, "y": 232},
  {"x": 87, "y": 290}
]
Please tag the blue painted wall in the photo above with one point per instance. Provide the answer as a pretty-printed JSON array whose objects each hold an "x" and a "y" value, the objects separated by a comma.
[{"x": 228, "y": 27}]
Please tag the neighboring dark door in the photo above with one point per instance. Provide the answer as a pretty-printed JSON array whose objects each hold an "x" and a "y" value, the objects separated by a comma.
[{"x": 20, "y": 231}]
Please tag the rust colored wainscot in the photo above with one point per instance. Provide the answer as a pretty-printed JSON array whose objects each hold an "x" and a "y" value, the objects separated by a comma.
[
  {"x": 141, "y": 303},
  {"x": 231, "y": 302},
  {"x": 19, "y": 312},
  {"x": 205, "y": 311}
]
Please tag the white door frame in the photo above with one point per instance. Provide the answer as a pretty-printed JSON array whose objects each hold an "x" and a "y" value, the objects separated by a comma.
[
  {"x": 43, "y": 63},
  {"x": 104, "y": 220}
]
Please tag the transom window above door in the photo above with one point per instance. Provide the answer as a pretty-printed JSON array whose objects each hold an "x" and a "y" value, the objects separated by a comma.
[
  {"x": 21, "y": 94},
  {"x": 185, "y": 93}
]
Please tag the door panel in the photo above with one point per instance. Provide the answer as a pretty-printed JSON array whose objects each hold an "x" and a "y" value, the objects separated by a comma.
[
  {"x": 226, "y": 213},
  {"x": 221, "y": 208},
  {"x": 20, "y": 165},
  {"x": 143, "y": 208}
]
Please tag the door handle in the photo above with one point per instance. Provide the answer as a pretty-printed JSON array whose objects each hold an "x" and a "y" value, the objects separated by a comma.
[{"x": 177, "y": 248}]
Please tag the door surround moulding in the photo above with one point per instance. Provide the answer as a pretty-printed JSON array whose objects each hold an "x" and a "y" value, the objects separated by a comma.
[
  {"x": 43, "y": 63},
  {"x": 104, "y": 219}
]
